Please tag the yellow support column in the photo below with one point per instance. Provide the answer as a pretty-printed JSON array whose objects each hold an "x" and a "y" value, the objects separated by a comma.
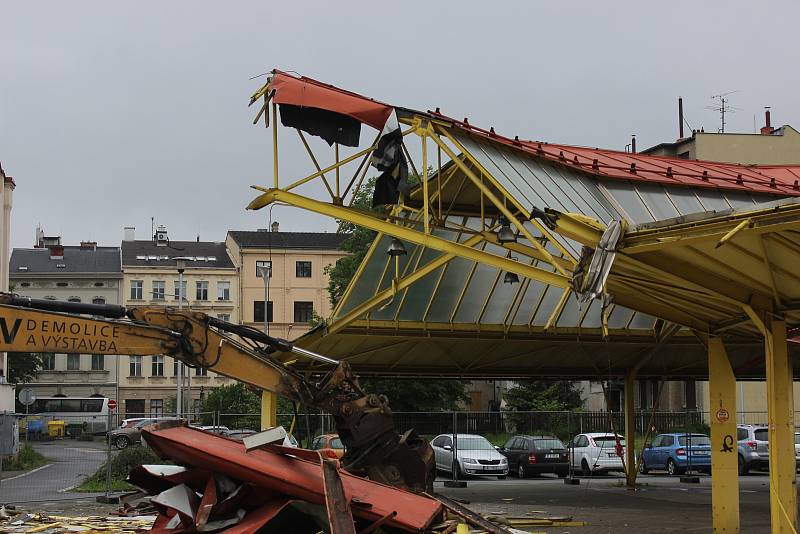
[
  {"x": 780, "y": 399},
  {"x": 724, "y": 448},
  {"x": 269, "y": 410},
  {"x": 630, "y": 430}
]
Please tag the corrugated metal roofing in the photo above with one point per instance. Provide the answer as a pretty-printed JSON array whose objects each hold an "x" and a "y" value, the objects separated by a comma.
[
  {"x": 287, "y": 240},
  {"x": 603, "y": 163}
]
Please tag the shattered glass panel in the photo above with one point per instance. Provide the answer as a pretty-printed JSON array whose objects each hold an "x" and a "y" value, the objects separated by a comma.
[
  {"x": 593, "y": 317},
  {"x": 570, "y": 314},
  {"x": 619, "y": 317}
]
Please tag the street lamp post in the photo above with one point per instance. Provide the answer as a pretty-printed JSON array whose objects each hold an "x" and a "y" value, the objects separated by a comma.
[
  {"x": 181, "y": 264},
  {"x": 265, "y": 272}
]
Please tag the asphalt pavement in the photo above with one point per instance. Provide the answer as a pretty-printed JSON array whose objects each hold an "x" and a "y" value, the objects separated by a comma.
[
  {"x": 69, "y": 463},
  {"x": 660, "y": 504}
]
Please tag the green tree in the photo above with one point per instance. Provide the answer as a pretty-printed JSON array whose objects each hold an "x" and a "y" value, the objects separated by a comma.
[
  {"x": 418, "y": 395},
  {"x": 543, "y": 395},
  {"x": 403, "y": 395},
  {"x": 23, "y": 367}
]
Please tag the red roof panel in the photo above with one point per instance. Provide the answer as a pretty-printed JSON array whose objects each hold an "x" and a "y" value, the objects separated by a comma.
[{"x": 772, "y": 179}]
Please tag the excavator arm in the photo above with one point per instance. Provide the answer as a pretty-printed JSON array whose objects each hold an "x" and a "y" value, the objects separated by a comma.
[{"x": 363, "y": 420}]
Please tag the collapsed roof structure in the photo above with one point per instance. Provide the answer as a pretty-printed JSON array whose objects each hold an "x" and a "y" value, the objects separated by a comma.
[{"x": 464, "y": 302}]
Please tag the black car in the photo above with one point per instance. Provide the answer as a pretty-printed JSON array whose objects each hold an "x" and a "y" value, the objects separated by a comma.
[{"x": 528, "y": 455}]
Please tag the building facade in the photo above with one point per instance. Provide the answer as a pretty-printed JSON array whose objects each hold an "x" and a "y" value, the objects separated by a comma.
[
  {"x": 210, "y": 284},
  {"x": 85, "y": 273},
  {"x": 298, "y": 287},
  {"x": 7, "y": 191}
]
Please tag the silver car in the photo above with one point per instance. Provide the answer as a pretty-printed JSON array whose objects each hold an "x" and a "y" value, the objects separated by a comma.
[
  {"x": 475, "y": 456},
  {"x": 753, "y": 447}
]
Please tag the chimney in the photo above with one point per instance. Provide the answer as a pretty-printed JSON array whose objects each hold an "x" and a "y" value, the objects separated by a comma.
[
  {"x": 275, "y": 226},
  {"x": 680, "y": 117},
  {"x": 129, "y": 233},
  {"x": 88, "y": 245},
  {"x": 767, "y": 129},
  {"x": 56, "y": 252},
  {"x": 39, "y": 237},
  {"x": 633, "y": 144}
]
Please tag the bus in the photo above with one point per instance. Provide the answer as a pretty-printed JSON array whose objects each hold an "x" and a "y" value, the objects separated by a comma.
[{"x": 91, "y": 413}]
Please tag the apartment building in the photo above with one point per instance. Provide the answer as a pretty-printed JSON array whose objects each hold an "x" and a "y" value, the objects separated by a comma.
[
  {"x": 85, "y": 273},
  {"x": 298, "y": 286},
  {"x": 210, "y": 284}
]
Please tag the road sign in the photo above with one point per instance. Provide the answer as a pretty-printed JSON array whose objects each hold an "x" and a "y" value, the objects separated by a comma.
[
  {"x": 27, "y": 396},
  {"x": 112, "y": 404},
  {"x": 722, "y": 415}
]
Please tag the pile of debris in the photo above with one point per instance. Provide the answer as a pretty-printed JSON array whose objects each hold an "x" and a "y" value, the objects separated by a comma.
[
  {"x": 225, "y": 485},
  {"x": 58, "y": 524}
]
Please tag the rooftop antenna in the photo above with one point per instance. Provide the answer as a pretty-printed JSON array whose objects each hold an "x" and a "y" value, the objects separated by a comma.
[{"x": 723, "y": 107}]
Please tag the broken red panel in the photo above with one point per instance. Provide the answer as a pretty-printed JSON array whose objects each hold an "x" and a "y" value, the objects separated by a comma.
[
  {"x": 305, "y": 92},
  {"x": 288, "y": 475}
]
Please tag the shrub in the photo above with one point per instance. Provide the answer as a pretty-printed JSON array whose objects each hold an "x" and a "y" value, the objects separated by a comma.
[{"x": 28, "y": 458}]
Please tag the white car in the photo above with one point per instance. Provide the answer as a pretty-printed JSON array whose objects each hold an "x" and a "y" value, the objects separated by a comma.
[
  {"x": 596, "y": 452},
  {"x": 476, "y": 456}
]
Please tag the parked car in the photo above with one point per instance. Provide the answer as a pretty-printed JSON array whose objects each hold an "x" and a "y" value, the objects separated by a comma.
[
  {"x": 128, "y": 423},
  {"x": 753, "y": 447},
  {"x": 797, "y": 450},
  {"x": 528, "y": 455},
  {"x": 222, "y": 430},
  {"x": 475, "y": 456},
  {"x": 597, "y": 452},
  {"x": 328, "y": 442},
  {"x": 675, "y": 452},
  {"x": 124, "y": 437}
]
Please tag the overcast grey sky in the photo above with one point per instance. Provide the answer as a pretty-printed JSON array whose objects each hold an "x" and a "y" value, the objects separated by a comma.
[{"x": 113, "y": 112}]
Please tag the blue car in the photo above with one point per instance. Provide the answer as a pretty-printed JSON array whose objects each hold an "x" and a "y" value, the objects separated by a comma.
[{"x": 675, "y": 452}]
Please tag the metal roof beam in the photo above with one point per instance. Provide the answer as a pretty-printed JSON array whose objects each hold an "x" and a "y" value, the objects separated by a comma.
[{"x": 367, "y": 220}]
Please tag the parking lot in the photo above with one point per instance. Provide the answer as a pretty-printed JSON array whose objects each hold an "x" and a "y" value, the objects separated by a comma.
[{"x": 661, "y": 503}]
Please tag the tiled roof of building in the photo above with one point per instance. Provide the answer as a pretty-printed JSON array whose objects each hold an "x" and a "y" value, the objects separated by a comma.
[
  {"x": 206, "y": 254},
  {"x": 287, "y": 240},
  {"x": 27, "y": 261}
]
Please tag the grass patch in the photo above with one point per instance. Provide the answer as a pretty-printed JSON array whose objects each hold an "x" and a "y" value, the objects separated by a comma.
[
  {"x": 121, "y": 465},
  {"x": 28, "y": 458}
]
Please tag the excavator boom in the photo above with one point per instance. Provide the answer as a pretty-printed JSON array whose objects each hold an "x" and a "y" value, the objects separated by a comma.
[{"x": 364, "y": 420}]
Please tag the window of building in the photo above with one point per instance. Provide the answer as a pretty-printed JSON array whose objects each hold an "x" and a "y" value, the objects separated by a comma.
[
  {"x": 48, "y": 362},
  {"x": 159, "y": 289},
  {"x": 74, "y": 299},
  {"x": 99, "y": 284},
  {"x": 98, "y": 300},
  {"x": 224, "y": 317},
  {"x": 134, "y": 407},
  {"x": 223, "y": 291},
  {"x": 201, "y": 371},
  {"x": 73, "y": 362},
  {"x": 263, "y": 264},
  {"x": 98, "y": 362},
  {"x": 303, "y": 311},
  {"x": 258, "y": 311},
  {"x": 62, "y": 284},
  {"x": 202, "y": 291},
  {"x": 302, "y": 269},
  {"x": 180, "y": 290},
  {"x": 156, "y": 407},
  {"x": 25, "y": 284},
  {"x": 137, "y": 289},
  {"x": 157, "y": 368},
  {"x": 135, "y": 363},
  {"x": 174, "y": 367}
]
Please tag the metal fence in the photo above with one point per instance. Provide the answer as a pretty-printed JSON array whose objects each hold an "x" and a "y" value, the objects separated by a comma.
[{"x": 64, "y": 458}]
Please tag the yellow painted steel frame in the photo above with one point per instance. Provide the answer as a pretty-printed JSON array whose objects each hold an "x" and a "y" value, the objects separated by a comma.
[
  {"x": 724, "y": 445},
  {"x": 269, "y": 410},
  {"x": 367, "y": 220}
]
